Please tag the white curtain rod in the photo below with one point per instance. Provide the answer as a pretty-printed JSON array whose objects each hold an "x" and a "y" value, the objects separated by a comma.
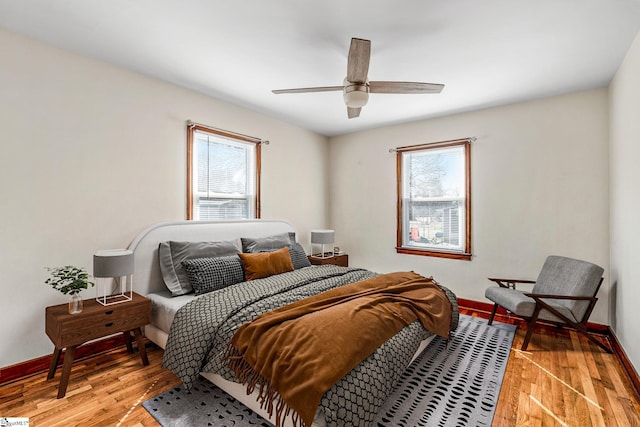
[
  {"x": 259, "y": 140},
  {"x": 413, "y": 147}
]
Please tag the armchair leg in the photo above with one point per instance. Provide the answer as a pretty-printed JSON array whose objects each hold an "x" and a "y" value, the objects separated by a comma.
[
  {"x": 531, "y": 327},
  {"x": 597, "y": 342},
  {"x": 581, "y": 328},
  {"x": 493, "y": 313}
]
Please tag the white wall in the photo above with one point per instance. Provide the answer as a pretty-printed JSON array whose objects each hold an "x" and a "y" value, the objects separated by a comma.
[
  {"x": 539, "y": 186},
  {"x": 92, "y": 154},
  {"x": 624, "y": 96}
]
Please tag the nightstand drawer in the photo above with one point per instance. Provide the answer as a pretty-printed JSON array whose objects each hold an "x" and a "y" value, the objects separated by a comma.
[
  {"x": 73, "y": 333},
  {"x": 104, "y": 314}
]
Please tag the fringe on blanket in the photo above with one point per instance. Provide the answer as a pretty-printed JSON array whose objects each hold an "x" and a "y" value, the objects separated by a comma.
[{"x": 268, "y": 397}]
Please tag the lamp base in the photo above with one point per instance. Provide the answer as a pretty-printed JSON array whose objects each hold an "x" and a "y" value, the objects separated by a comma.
[
  {"x": 115, "y": 299},
  {"x": 114, "y": 290},
  {"x": 323, "y": 255}
]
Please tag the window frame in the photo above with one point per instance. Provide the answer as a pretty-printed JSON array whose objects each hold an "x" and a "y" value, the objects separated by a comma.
[
  {"x": 400, "y": 248},
  {"x": 191, "y": 130}
]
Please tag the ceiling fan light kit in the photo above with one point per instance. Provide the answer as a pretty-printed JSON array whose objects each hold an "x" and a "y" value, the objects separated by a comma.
[
  {"x": 356, "y": 86},
  {"x": 355, "y": 95}
]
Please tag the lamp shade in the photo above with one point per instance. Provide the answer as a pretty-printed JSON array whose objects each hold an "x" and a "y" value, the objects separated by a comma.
[
  {"x": 113, "y": 263},
  {"x": 323, "y": 237}
]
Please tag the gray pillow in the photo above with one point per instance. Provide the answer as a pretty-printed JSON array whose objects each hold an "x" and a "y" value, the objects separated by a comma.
[
  {"x": 267, "y": 244},
  {"x": 298, "y": 256},
  {"x": 275, "y": 242},
  {"x": 171, "y": 254},
  {"x": 211, "y": 274}
]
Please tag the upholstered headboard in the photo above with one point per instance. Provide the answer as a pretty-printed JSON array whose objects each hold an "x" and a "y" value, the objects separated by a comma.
[{"x": 147, "y": 277}]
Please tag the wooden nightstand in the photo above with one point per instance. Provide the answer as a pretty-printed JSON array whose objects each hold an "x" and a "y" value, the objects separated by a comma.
[
  {"x": 96, "y": 321},
  {"x": 341, "y": 260}
]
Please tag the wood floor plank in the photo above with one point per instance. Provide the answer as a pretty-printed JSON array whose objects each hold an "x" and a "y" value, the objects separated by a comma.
[
  {"x": 536, "y": 414},
  {"x": 568, "y": 396},
  {"x": 524, "y": 409},
  {"x": 509, "y": 397},
  {"x": 587, "y": 379},
  {"x": 556, "y": 405}
]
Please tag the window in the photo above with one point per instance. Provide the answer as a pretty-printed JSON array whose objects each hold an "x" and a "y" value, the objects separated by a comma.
[
  {"x": 434, "y": 199},
  {"x": 223, "y": 175}
]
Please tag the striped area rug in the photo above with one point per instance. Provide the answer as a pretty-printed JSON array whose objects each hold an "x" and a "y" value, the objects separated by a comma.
[{"x": 455, "y": 383}]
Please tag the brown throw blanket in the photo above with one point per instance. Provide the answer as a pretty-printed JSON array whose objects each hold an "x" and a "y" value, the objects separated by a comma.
[{"x": 296, "y": 353}]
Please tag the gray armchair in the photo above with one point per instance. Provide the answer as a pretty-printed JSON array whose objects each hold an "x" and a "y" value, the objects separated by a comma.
[{"x": 564, "y": 294}]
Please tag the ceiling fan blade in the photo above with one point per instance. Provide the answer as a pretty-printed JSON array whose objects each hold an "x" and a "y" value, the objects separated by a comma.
[
  {"x": 353, "y": 112},
  {"x": 358, "y": 63},
  {"x": 404, "y": 87},
  {"x": 309, "y": 89}
]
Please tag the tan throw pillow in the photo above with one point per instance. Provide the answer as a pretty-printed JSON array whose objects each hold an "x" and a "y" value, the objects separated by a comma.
[{"x": 265, "y": 264}]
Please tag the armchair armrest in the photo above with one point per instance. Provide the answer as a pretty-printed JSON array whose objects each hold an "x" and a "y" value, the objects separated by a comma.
[
  {"x": 570, "y": 297},
  {"x": 509, "y": 283}
]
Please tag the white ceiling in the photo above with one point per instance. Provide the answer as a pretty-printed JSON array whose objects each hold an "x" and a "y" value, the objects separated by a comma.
[{"x": 487, "y": 53}]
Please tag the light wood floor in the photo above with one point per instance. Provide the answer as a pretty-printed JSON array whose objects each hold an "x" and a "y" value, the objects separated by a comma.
[{"x": 563, "y": 380}]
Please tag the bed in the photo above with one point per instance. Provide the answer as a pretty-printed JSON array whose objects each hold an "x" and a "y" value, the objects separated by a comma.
[{"x": 388, "y": 361}]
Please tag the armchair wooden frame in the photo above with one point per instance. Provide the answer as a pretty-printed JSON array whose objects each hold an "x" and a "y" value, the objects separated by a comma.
[{"x": 541, "y": 304}]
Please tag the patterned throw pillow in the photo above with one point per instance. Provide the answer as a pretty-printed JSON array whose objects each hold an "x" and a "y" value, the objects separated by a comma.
[
  {"x": 211, "y": 274},
  {"x": 171, "y": 254},
  {"x": 298, "y": 256}
]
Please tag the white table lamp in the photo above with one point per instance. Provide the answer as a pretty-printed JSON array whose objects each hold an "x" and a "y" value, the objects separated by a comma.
[
  {"x": 322, "y": 237},
  {"x": 113, "y": 271}
]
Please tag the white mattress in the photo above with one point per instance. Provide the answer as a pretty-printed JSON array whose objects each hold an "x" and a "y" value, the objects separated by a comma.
[{"x": 164, "y": 308}]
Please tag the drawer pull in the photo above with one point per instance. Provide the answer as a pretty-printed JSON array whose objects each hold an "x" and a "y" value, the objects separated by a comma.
[
  {"x": 108, "y": 325},
  {"x": 108, "y": 312}
]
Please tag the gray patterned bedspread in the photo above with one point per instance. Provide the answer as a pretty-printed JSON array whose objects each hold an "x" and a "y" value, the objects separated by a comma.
[{"x": 202, "y": 329}]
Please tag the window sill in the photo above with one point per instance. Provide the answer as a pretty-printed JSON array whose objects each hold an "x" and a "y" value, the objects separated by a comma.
[{"x": 439, "y": 254}]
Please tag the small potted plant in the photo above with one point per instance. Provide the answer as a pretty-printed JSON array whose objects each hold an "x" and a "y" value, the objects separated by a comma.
[{"x": 69, "y": 280}]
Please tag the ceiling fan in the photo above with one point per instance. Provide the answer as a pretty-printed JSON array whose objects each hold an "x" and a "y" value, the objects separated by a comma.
[{"x": 356, "y": 86}]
